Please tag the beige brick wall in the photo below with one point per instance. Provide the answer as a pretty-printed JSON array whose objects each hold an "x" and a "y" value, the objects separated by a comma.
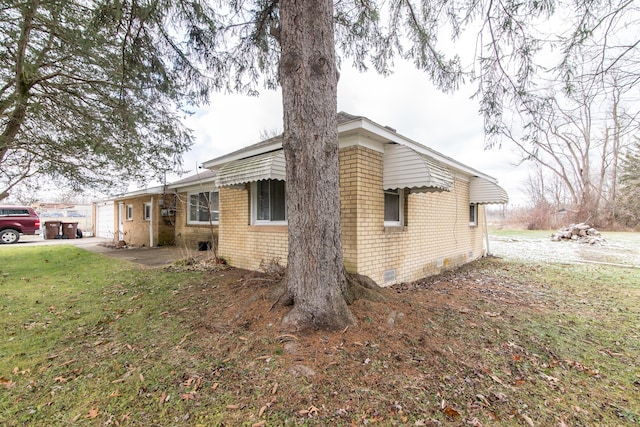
[
  {"x": 349, "y": 206},
  {"x": 188, "y": 235},
  {"x": 436, "y": 236},
  {"x": 241, "y": 244},
  {"x": 136, "y": 229}
]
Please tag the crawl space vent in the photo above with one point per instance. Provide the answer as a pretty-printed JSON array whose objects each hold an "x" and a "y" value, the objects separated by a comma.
[{"x": 389, "y": 276}]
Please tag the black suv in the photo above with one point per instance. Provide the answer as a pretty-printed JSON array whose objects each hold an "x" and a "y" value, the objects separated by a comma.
[{"x": 17, "y": 220}]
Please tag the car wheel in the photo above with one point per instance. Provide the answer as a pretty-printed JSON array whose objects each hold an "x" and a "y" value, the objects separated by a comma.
[{"x": 9, "y": 236}]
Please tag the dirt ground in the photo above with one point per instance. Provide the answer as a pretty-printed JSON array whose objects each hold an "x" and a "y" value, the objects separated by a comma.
[{"x": 422, "y": 351}]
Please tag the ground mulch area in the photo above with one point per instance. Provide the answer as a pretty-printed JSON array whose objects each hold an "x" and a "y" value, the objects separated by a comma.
[{"x": 418, "y": 357}]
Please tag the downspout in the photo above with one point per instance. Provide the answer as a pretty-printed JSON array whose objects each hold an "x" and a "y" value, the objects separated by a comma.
[
  {"x": 486, "y": 230},
  {"x": 151, "y": 223}
]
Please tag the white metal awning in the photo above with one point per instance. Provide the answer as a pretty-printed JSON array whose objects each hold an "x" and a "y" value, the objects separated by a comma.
[
  {"x": 482, "y": 191},
  {"x": 264, "y": 166},
  {"x": 403, "y": 167}
]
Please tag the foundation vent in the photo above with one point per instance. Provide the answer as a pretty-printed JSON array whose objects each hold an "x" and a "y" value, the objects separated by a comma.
[{"x": 389, "y": 276}]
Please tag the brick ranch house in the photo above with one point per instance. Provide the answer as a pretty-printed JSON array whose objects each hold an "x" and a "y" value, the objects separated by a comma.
[
  {"x": 196, "y": 210},
  {"x": 407, "y": 211},
  {"x": 175, "y": 214},
  {"x": 137, "y": 218}
]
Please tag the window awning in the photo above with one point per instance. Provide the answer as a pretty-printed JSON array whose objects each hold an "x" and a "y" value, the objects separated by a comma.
[
  {"x": 264, "y": 166},
  {"x": 403, "y": 167},
  {"x": 482, "y": 191}
]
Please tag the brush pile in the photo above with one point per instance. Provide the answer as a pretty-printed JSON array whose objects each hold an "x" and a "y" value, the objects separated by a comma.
[{"x": 582, "y": 233}]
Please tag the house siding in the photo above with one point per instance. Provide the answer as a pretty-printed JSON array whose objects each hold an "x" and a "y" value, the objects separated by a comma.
[
  {"x": 241, "y": 244},
  {"x": 188, "y": 236},
  {"x": 436, "y": 235}
]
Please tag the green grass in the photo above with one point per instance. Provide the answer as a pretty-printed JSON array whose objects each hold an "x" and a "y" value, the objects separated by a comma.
[
  {"x": 91, "y": 340},
  {"x": 77, "y": 328}
]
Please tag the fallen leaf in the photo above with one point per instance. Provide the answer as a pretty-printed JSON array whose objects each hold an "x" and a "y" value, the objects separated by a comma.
[
  {"x": 528, "y": 420},
  {"x": 7, "y": 384},
  {"x": 141, "y": 378},
  {"x": 163, "y": 398},
  {"x": 61, "y": 380},
  {"x": 115, "y": 394},
  {"x": 496, "y": 379},
  {"x": 233, "y": 406},
  {"x": 450, "y": 412},
  {"x": 262, "y": 410},
  {"x": 259, "y": 424},
  {"x": 187, "y": 396},
  {"x": 93, "y": 412},
  {"x": 274, "y": 390}
]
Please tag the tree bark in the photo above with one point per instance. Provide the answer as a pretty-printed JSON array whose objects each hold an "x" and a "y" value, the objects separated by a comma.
[{"x": 316, "y": 279}]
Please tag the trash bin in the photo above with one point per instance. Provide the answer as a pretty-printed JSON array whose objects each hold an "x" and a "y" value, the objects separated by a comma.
[
  {"x": 69, "y": 230},
  {"x": 51, "y": 230}
]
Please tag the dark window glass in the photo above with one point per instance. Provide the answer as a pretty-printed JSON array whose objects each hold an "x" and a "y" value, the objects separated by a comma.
[
  {"x": 392, "y": 205},
  {"x": 277, "y": 196},
  {"x": 271, "y": 201}
]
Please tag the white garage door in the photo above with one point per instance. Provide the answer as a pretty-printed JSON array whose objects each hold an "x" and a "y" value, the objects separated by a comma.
[{"x": 105, "y": 220}]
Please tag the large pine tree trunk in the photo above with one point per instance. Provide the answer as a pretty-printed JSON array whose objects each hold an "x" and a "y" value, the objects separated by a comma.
[{"x": 308, "y": 76}]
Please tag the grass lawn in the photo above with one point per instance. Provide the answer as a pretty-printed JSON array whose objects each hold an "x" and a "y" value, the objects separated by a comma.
[{"x": 90, "y": 340}]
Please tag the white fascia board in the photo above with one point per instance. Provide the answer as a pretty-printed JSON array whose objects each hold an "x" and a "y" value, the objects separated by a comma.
[
  {"x": 103, "y": 201},
  {"x": 153, "y": 190},
  {"x": 205, "y": 182},
  {"x": 200, "y": 187},
  {"x": 241, "y": 154}
]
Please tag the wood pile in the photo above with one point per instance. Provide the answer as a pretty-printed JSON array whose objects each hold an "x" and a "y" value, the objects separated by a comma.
[{"x": 582, "y": 233}]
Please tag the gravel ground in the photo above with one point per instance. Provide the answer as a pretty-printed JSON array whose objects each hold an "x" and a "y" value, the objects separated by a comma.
[{"x": 619, "y": 249}]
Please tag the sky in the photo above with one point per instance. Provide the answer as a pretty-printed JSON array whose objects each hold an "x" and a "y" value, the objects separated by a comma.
[{"x": 405, "y": 100}]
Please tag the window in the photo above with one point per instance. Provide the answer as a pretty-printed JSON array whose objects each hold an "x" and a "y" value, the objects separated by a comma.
[
  {"x": 129, "y": 212},
  {"x": 269, "y": 202},
  {"x": 147, "y": 212},
  {"x": 14, "y": 212},
  {"x": 203, "y": 206},
  {"x": 473, "y": 214},
  {"x": 393, "y": 207}
]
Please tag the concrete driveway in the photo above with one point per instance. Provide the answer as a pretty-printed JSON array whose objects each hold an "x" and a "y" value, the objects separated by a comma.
[{"x": 154, "y": 257}]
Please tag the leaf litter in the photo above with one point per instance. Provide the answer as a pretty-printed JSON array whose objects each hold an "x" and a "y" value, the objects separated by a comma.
[{"x": 481, "y": 345}]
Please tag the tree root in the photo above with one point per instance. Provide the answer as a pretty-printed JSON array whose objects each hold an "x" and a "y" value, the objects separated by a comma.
[{"x": 357, "y": 287}]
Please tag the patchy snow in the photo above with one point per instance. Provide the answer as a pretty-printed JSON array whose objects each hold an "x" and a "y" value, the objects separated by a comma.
[{"x": 619, "y": 249}]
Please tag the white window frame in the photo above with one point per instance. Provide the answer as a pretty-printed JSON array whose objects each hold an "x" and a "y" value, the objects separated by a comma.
[
  {"x": 146, "y": 211},
  {"x": 197, "y": 193},
  {"x": 129, "y": 213},
  {"x": 400, "y": 222},
  {"x": 473, "y": 208},
  {"x": 254, "y": 207}
]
